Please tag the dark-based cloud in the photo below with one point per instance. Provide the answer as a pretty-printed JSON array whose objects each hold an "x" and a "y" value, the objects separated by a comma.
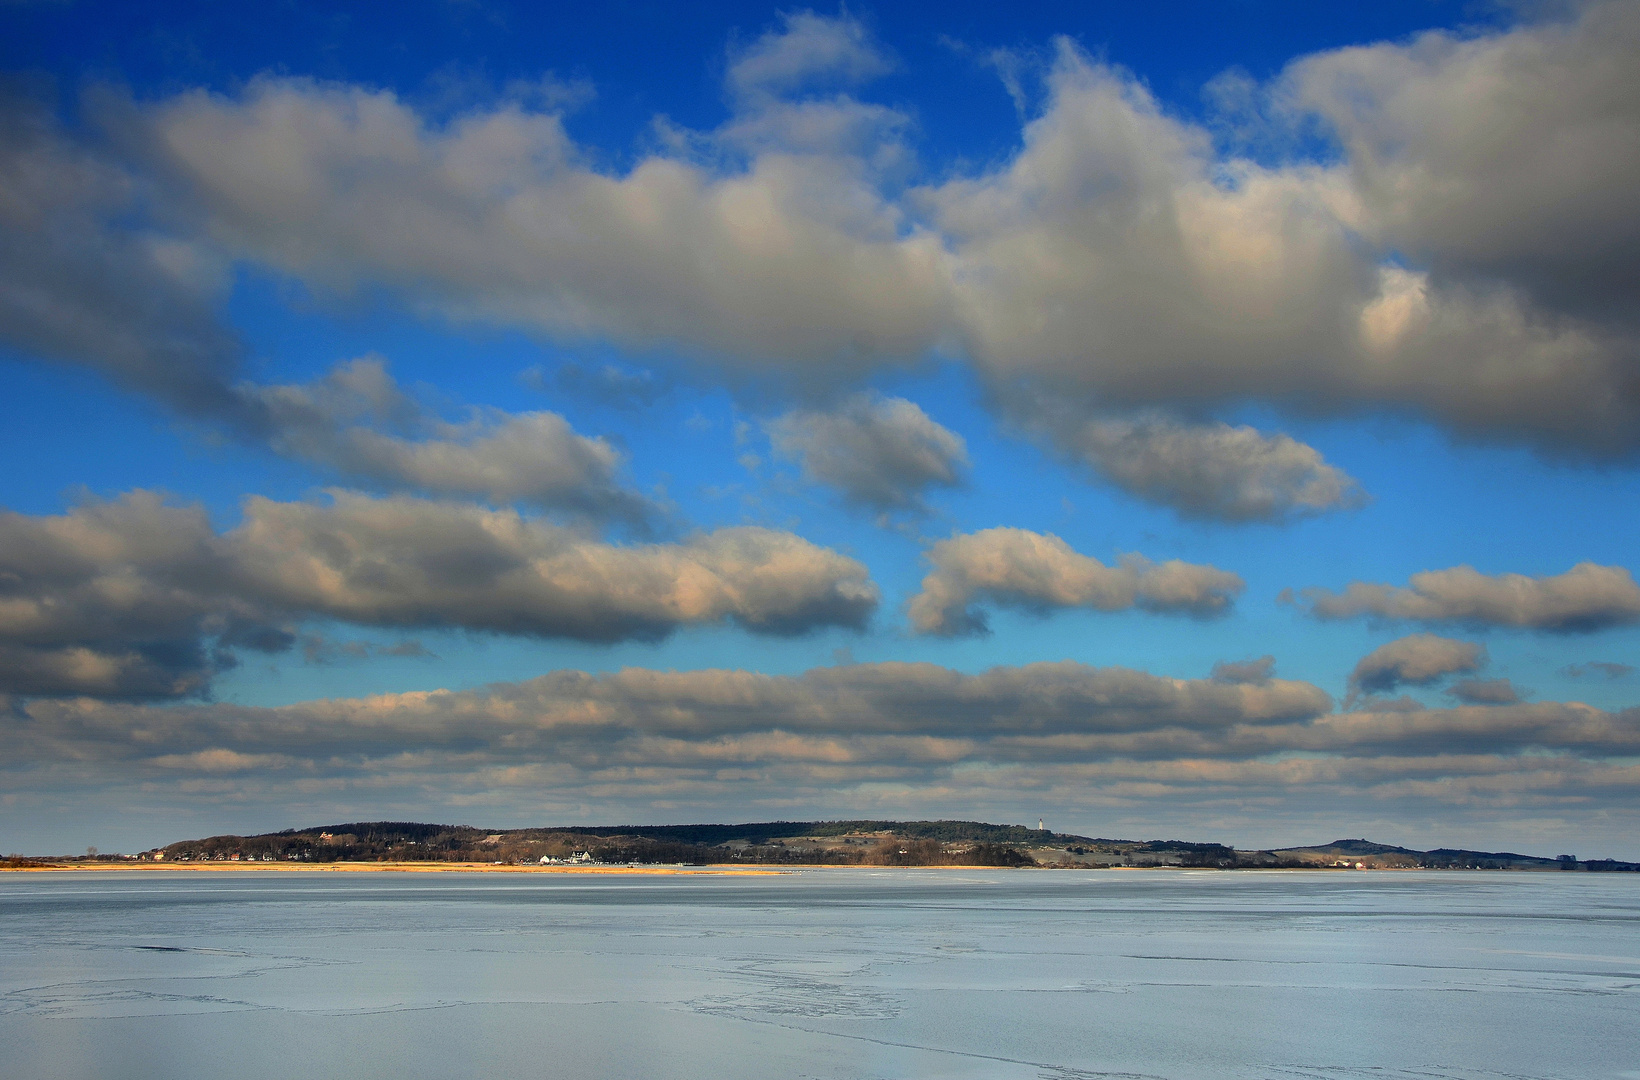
[
  {"x": 137, "y": 598},
  {"x": 920, "y": 736},
  {"x": 80, "y": 285},
  {"x": 1040, "y": 572},
  {"x": 412, "y": 562},
  {"x": 1585, "y": 598},
  {"x": 1415, "y": 660},
  {"x": 1119, "y": 259},
  {"x": 923, "y": 710},
  {"x": 882, "y": 453},
  {"x": 123, "y": 599},
  {"x": 1498, "y": 158}
]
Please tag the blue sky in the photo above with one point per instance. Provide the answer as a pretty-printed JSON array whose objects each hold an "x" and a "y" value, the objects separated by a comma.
[{"x": 1216, "y": 422}]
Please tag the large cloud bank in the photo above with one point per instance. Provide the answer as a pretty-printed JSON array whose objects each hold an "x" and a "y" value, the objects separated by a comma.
[
  {"x": 916, "y": 738},
  {"x": 1465, "y": 257}
]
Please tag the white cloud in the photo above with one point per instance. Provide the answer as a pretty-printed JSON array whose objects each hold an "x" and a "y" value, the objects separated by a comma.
[
  {"x": 794, "y": 259},
  {"x": 1586, "y": 597},
  {"x": 1035, "y": 571},
  {"x": 879, "y": 452}
]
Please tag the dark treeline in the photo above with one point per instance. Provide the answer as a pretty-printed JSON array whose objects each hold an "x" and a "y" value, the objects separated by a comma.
[
  {"x": 791, "y": 843},
  {"x": 760, "y": 832},
  {"x": 883, "y": 853}
]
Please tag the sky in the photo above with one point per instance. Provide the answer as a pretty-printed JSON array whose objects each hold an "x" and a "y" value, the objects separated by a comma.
[{"x": 1213, "y": 420}]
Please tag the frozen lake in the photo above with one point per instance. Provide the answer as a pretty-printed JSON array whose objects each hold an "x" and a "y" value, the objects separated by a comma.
[{"x": 847, "y": 973}]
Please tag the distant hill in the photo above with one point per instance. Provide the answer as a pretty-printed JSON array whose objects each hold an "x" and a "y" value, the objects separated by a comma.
[{"x": 857, "y": 842}]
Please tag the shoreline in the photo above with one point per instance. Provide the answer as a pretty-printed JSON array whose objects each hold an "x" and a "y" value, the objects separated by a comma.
[
  {"x": 394, "y": 868},
  {"x": 708, "y": 869}
]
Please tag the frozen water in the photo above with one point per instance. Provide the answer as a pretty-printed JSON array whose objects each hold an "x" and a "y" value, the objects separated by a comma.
[{"x": 845, "y": 973}]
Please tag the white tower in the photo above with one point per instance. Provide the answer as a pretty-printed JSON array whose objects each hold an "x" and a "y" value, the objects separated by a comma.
[{"x": 1039, "y": 826}]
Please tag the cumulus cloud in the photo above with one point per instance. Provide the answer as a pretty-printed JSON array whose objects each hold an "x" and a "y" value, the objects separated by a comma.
[
  {"x": 78, "y": 285},
  {"x": 1464, "y": 256},
  {"x": 137, "y": 598},
  {"x": 410, "y": 562},
  {"x": 796, "y": 257},
  {"x": 1415, "y": 660},
  {"x": 357, "y": 421},
  {"x": 1208, "y": 470},
  {"x": 1119, "y": 259},
  {"x": 1585, "y": 598},
  {"x": 119, "y": 599},
  {"x": 1504, "y": 157},
  {"x": 1039, "y": 572},
  {"x": 879, "y": 452}
]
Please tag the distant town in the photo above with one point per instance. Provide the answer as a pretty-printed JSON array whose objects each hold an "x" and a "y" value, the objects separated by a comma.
[{"x": 794, "y": 843}]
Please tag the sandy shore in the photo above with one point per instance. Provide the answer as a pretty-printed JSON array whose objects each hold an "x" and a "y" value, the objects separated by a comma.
[{"x": 388, "y": 868}]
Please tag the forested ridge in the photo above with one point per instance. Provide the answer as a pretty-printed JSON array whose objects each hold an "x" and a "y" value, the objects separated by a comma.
[{"x": 843, "y": 843}]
